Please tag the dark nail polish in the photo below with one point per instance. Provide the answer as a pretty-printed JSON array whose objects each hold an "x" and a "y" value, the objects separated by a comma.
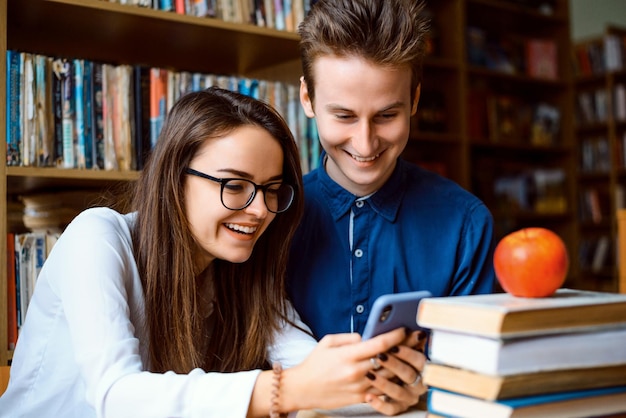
[
  {"x": 393, "y": 350},
  {"x": 383, "y": 357},
  {"x": 421, "y": 335},
  {"x": 370, "y": 376},
  {"x": 407, "y": 331}
]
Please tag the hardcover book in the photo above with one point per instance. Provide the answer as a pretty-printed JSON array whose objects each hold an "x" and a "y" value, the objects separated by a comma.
[
  {"x": 13, "y": 116},
  {"x": 501, "y": 315},
  {"x": 542, "y": 59},
  {"x": 500, "y": 357},
  {"x": 586, "y": 403},
  {"x": 492, "y": 387}
]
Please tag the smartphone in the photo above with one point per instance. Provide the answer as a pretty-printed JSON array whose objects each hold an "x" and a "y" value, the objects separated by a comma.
[{"x": 395, "y": 310}]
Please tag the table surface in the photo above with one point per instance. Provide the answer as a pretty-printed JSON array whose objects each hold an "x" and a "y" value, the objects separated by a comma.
[{"x": 360, "y": 410}]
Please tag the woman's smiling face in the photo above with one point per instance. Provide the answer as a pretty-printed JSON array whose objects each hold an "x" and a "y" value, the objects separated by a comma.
[{"x": 248, "y": 152}]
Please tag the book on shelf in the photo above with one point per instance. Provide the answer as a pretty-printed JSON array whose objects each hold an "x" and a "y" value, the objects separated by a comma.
[
  {"x": 11, "y": 293},
  {"x": 57, "y": 111},
  {"x": 68, "y": 104},
  {"x": 158, "y": 102},
  {"x": 44, "y": 106},
  {"x": 279, "y": 15},
  {"x": 80, "y": 116},
  {"x": 501, "y": 315},
  {"x": 542, "y": 58},
  {"x": 614, "y": 49},
  {"x": 502, "y": 117},
  {"x": 141, "y": 86},
  {"x": 97, "y": 116},
  {"x": 557, "y": 351},
  {"x": 546, "y": 124},
  {"x": 13, "y": 116},
  {"x": 492, "y": 387},
  {"x": 29, "y": 114},
  {"x": 574, "y": 404}
]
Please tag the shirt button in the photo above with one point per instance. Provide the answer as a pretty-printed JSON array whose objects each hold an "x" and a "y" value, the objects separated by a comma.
[
  {"x": 358, "y": 253},
  {"x": 360, "y": 309},
  {"x": 359, "y": 204}
]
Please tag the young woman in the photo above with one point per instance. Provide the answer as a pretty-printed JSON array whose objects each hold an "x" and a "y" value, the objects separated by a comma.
[{"x": 177, "y": 308}]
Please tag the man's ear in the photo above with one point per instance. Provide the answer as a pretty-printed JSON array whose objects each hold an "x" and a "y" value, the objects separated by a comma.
[
  {"x": 416, "y": 99},
  {"x": 305, "y": 99}
]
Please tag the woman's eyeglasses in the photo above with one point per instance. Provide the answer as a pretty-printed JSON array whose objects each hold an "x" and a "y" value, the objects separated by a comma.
[{"x": 237, "y": 194}]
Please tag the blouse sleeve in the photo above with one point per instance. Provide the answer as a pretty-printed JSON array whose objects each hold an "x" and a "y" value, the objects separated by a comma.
[{"x": 293, "y": 343}]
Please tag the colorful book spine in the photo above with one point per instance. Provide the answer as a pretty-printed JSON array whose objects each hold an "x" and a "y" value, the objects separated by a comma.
[
  {"x": 88, "y": 119},
  {"x": 27, "y": 103},
  {"x": 79, "y": 112},
  {"x": 43, "y": 74},
  {"x": 279, "y": 15},
  {"x": 69, "y": 108},
  {"x": 57, "y": 111},
  {"x": 98, "y": 117},
  {"x": 158, "y": 102},
  {"x": 11, "y": 292},
  {"x": 166, "y": 5},
  {"x": 13, "y": 118}
]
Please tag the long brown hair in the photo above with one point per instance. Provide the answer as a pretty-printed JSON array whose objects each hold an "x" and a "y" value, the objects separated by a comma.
[
  {"x": 390, "y": 33},
  {"x": 249, "y": 297}
]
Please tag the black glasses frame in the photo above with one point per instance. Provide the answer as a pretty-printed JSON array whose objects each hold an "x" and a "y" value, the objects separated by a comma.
[{"x": 262, "y": 187}]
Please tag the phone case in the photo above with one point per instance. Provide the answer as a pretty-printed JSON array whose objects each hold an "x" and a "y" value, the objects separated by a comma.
[{"x": 393, "y": 311}]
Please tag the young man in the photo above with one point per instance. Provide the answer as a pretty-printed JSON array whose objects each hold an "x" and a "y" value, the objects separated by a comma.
[{"x": 374, "y": 223}]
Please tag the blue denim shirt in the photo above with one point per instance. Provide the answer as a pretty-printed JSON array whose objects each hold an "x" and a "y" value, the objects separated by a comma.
[{"x": 420, "y": 231}]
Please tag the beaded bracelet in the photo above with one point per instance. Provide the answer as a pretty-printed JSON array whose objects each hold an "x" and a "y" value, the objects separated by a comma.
[{"x": 275, "y": 407}]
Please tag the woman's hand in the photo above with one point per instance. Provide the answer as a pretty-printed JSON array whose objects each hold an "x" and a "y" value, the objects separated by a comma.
[
  {"x": 399, "y": 378},
  {"x": 338, "y": 372}
]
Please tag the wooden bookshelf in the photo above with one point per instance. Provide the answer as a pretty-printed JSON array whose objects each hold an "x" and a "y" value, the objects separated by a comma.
[
  {"x": 121, "y": 34},
  {"x": 466, "y": 147},
  {"x": 600, "y": 90},
  {"x": 443, "y": 136}
]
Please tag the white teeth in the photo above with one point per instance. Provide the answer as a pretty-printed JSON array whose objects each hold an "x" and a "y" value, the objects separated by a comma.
[
  {"x": 363, "y": 160},
  {"x": 241, "y": 228}
]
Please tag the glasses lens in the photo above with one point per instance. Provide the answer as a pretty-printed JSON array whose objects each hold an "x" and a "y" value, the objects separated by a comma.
[
  {"x": 236, "y": 194},
  {"x": 278, "y": 197}
]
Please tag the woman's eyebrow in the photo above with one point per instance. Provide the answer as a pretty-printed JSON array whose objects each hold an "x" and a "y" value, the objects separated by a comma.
[{"x": 246, "y": 175}]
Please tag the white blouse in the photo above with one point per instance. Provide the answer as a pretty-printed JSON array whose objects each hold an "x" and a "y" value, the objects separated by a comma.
[{"x": 82, "y": 349}]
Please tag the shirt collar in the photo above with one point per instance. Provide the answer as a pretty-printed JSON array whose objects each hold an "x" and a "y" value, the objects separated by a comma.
[{"x": 386, "y": 201}]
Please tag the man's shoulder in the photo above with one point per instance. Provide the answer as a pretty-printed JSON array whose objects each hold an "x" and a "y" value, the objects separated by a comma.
[{"x": 311, "y": 177}]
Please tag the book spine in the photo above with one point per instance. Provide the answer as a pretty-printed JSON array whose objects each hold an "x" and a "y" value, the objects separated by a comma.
[
  {"x": 69, "y": 107},
  {"x": 268, "y": 9},
  {"x": 27, "y": 95},
  {"x": 98, "y": 117},
  {"x": 288, "y": 13},
  {"x": 142, "y": 115},
  {"x": 13, "y": 120},
  {"x": 279, "y": 15},
  {"x": 158, "y": 102},
  {"x": 88, "y": 119},
  {"x": 79, "y": 112},
  {"x": 44, "y": 110},
  {"x": 166, "y": 5},
  {"x": 57, "y": 111},
  {"x": 11, "y": 292}
]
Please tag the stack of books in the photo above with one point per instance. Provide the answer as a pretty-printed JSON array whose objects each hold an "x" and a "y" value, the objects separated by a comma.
[
  {"x": 498, "y": 355},
  {"x": 52, "y": 212}
]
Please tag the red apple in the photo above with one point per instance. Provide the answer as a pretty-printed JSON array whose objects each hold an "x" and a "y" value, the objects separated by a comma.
[{"x": 531, "y": 262}]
